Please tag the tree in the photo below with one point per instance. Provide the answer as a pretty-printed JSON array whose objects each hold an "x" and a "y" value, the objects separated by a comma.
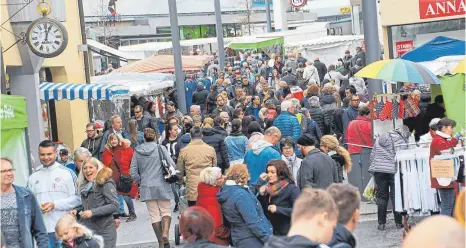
[
  {"x": 246, "y": 22},
  {"x": 105, "y": 24}
]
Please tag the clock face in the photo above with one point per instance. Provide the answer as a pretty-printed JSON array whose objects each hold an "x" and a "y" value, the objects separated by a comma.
[{"x": 47, "y": 37}]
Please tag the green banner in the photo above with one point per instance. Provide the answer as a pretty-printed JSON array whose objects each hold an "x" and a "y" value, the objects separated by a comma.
[
  {"x": 13, "y": 112},
  {"x": 13, "y": 146},
  {"x": 454, "y": 96},
  {"x": 256, "y": 43}
]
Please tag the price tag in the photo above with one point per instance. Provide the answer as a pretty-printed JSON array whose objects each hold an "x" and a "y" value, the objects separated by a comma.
[{"x": 442, "y": 168}]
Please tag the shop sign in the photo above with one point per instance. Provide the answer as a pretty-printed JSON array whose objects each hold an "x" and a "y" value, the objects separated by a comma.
[
  {"x": 298, "y": 3},
  {"x": 403, "y": 47},
  {"x": 441, "y": 8},
  {"x": 346, "y": 10}
]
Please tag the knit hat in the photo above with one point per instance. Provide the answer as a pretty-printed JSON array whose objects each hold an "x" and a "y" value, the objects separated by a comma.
[
  {"x": 306, "y": 140},
  {"x": 434, "y": 122},
  {"x": 304, "y": 111},
  {"x": 314, "y": 101}
]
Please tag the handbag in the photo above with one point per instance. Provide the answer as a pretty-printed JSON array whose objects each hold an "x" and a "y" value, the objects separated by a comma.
[
  {"x": 125, "y": 182},
  {"x": 169, "y": 172}
]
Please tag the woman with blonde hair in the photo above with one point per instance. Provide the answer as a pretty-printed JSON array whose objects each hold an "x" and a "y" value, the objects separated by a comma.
[
  {"x": 249, "y": 226},
  {"x": 74, "y": 235},
  {"x": 330, "y": 145},
  {"x": 99, "y": 200},
  {"x": 211, "y": 182}
]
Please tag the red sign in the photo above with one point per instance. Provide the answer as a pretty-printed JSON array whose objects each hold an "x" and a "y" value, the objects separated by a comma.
[
  {"x": 298, "y": 3},
  {"x": 403, "y": 47},
  {"x": 441, "y": 8}
]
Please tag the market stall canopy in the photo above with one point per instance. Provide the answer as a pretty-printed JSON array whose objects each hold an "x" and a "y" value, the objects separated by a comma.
[
  {"x": 443, "y": 65},
  {"x": 164, "y": 63},
  {"x": 158, "y": 46},
  {"x": 70, "y": 91},
  {"x": 439, "y": 47},
  {"x": 105, "y": 50},
  {"x": 141, "y": 84},
  {"x": 398, "y": 70},
  {"x": 251, "y": 42},
  {"x": 461, "y": 67}
]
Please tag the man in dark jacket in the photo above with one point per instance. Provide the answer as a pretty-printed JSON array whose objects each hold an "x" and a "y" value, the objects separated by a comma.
[
  {"x": 22, "y": 221},
  {"x": 144, "y": 121},
  {"x": 172, "y": 111},
  {"x": 348, "y": 201},
  {"x": 214, "y": 138},
  {"x": 222, "y": 107},
  {"x": 212, "y": 99},
  {"x": 321, "y": 68},
  {"x": 351, "y": 112},
  {"x": 319, "y": 115},
  {"x": 309, "y": 217},
  {"x": 290, "y": 78},
  {"x": 360, "y": 54},
  {"x": 318, "y": 170},
  {"x": 200, "y": 96},
  {"x": 248, "y": 87},
  {"x": 92, "y": 142},
  {"x": 172, "y": 96}
]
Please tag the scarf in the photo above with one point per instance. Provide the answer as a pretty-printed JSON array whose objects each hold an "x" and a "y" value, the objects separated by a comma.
[
  {"x": 276, "y": 188},
  {"x": 86, "y": 187}
]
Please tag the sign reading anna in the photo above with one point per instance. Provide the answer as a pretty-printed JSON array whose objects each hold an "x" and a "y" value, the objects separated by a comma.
[{"x": 441, "y": 8}]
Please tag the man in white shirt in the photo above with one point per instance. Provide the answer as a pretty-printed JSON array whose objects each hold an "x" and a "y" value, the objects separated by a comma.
[{"x": 54, "y": 187}]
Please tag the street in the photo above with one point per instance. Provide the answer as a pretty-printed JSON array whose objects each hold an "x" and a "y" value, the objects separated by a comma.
[{"x": 139, "y": 234}]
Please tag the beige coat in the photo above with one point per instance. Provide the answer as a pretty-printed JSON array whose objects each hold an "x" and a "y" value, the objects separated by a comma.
[{"x": 196, "y": 156}]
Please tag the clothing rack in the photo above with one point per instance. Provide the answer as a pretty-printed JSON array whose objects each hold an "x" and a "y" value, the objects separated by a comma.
[
  {"x": 453, "y": 150},
  {"x": 415, "y": 143},
  {"x": 359, "y": 145}
]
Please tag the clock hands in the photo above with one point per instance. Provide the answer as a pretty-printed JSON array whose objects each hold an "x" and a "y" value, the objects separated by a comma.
[{"x": 47, "y": 31}]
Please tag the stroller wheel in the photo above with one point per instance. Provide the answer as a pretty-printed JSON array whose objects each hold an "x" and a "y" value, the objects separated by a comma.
[{"x": 177, "y": 234}]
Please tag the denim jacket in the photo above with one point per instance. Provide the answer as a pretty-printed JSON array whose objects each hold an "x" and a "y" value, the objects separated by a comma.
[
  {"x": 236, "y": 147},
  {"x": 31, "y": 224}
]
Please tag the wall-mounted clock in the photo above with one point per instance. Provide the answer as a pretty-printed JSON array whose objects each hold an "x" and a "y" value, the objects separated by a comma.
[{"x": 47, "y": 37}]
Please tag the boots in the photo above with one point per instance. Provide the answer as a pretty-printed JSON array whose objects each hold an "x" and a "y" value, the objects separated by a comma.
[
  {"x": 166, "y": 221},
  {"x": 157, "y": 226}
]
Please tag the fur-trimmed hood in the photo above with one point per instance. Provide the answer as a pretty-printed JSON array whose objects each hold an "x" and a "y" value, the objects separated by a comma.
[{"x": 103, "y": 176}]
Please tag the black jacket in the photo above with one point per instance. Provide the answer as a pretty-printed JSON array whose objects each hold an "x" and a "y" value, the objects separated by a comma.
[
  {"x": 183, "y": 141},
  {"x": 342, "y": 238},
  {"x": 281, "y": 219},
  {"x": 290, "y": 79},
  {"x": 296, "y": 241},
  {"x": 93, "y": 145},
  {"x": 318, "y": 170},
  {"x": 211, "y": 102},
  {"x": 200, "y": 98},
  {"x": 320, "y": 116},
  {"x": 321, "y": 69},
  {"x": 214, "y": 138}
]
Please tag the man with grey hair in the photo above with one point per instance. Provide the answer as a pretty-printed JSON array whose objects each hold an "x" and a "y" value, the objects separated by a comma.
[
  {"x": 93, "y": 140},
  {"x": 262, "y": 152},
  {"x": 117, "y": 128},
  {"x": 195, "y": 110},
  {"x": 80, "y": 156},
  {"x": 288, "y": 123},
  {"x": 226, "y": 118}
]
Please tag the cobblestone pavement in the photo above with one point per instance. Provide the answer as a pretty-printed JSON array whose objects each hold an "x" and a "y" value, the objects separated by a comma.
[{"x": 139, "y": 234}]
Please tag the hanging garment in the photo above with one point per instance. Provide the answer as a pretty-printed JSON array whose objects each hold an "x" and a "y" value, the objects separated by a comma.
[
  {"x": 386, "y": 112},
  {"x": 401, "y": 110},
  {"x": 396, "y": 106},
  {"x": 372, "y": 105},
  {"x": 411, "y": 109},
  {"x": 379, "y": 107}
]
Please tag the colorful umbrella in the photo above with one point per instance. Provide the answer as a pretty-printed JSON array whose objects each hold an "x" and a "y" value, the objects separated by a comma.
[
  {"x": 461, "y": 67},
  {"x": 399, "y": 70}
]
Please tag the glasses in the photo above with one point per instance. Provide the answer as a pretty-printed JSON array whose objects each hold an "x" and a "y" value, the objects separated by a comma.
[
  {"x": 88, "y": 131},
  {"x": 7, "y": 171}
]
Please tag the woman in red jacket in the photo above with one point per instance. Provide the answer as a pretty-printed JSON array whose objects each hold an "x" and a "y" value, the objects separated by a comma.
[
  {"x": 119, "y": 151},
  {"x": 211, "y": 182},
  {"x": 443, "y": 140},
  {"x": 359, "y": 131}
]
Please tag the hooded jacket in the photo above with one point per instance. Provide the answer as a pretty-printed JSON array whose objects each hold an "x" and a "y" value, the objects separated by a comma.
[
  {"x": 88, "y": 240},
  {"x": 93, "y": 145},
  {"x": 244, "y": 213},
  {"x": 383, "y": 154},
  {"x": 318, "y": 170},
  {"x": 258, "y": 157},
  {"x": 101, "y": 198},
  {"x": 146, "y": 171},
  {"x": 359, "y": 132},
  {"x": 342, "y": 237},
  {"x": 215, "y": 139},
  {"x": 321, "y": 117},
  {"x": 296, "y": 241}
]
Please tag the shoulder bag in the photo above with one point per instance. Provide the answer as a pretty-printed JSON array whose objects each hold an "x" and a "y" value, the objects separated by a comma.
[
  {"x": 125, "y": 182},
  {"x": 169, "y": 172}
]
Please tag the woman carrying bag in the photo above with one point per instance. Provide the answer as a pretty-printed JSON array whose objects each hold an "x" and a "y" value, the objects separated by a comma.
[{"x": 147, "y": 169}]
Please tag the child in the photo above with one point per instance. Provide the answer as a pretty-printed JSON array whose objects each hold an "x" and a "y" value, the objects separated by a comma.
[
  {"x": 312, "y": 224},
  {"x": 74, "y": 235}
]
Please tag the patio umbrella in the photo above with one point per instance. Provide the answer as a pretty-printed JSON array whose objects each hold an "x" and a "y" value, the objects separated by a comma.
[
  {"x": 461, "y": 67},
  {"x": 399, "y": 70}
]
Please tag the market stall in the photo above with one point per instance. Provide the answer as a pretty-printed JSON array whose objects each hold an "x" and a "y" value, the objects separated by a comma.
[
  {"x": 117, "y": 98},
  {"x": 14, "y": 123},
  {"x": 165, "y": 64},
  {"x": 251, "y": 43}
]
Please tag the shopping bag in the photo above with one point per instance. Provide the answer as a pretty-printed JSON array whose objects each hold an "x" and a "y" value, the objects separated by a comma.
[{"x": 369, "y": 191}]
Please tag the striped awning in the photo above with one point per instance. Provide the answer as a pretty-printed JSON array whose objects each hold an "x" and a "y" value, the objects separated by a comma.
[{"x": 60, "y": 91}]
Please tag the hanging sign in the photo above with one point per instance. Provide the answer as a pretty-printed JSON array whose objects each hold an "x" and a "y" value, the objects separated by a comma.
[
  {"x": 403, "y": 47},
  {"x": 346, "y": 10},
  {"x": 441, "y": 8},
  {"x": 442, "y": 168},
  {"x": 298, "y": 3}
]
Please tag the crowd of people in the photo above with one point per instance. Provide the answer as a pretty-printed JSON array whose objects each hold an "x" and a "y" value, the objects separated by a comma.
[{"x": 262, "y": 157}]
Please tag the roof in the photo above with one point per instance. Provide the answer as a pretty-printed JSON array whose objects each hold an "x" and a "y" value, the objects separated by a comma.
[
  {"x": 326, "y": 40},
  {"x": 103, "y": 49},
  {"x": 164, "y": 63},
  {"x": 252, "y": 42},
  {"x": 140, "y": 84},
  {"x": 439, "y": 47},
  {"x": 157, "y": 46}
]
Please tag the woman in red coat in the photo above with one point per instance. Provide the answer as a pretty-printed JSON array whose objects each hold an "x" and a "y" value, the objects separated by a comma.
[
  {"x": 118, "y": 150},
  {"x": 442, "y": 141},
  {"x": 211, "y": 182}
]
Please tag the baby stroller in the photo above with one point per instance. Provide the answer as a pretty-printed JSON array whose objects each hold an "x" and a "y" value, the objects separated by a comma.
[{"x": 182, "y": 205}]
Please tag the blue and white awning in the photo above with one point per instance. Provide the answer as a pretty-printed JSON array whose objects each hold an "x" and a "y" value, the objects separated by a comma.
[{"x": 60, "y": 91}]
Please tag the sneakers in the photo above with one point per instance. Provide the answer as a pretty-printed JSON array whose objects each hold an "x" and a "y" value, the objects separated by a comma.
[
  {"x": 124, "y": 215},
  {"x": 132, "y": 217}
]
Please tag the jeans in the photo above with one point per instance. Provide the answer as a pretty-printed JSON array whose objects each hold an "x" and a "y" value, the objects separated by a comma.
[
  {"x": 175, "y": 189},
  {"x": 447, "y": 198},
  {"x": 53, "y": 242},
  {"x": 385, "y": 189},
  {"x": 129, "y": 203}
]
